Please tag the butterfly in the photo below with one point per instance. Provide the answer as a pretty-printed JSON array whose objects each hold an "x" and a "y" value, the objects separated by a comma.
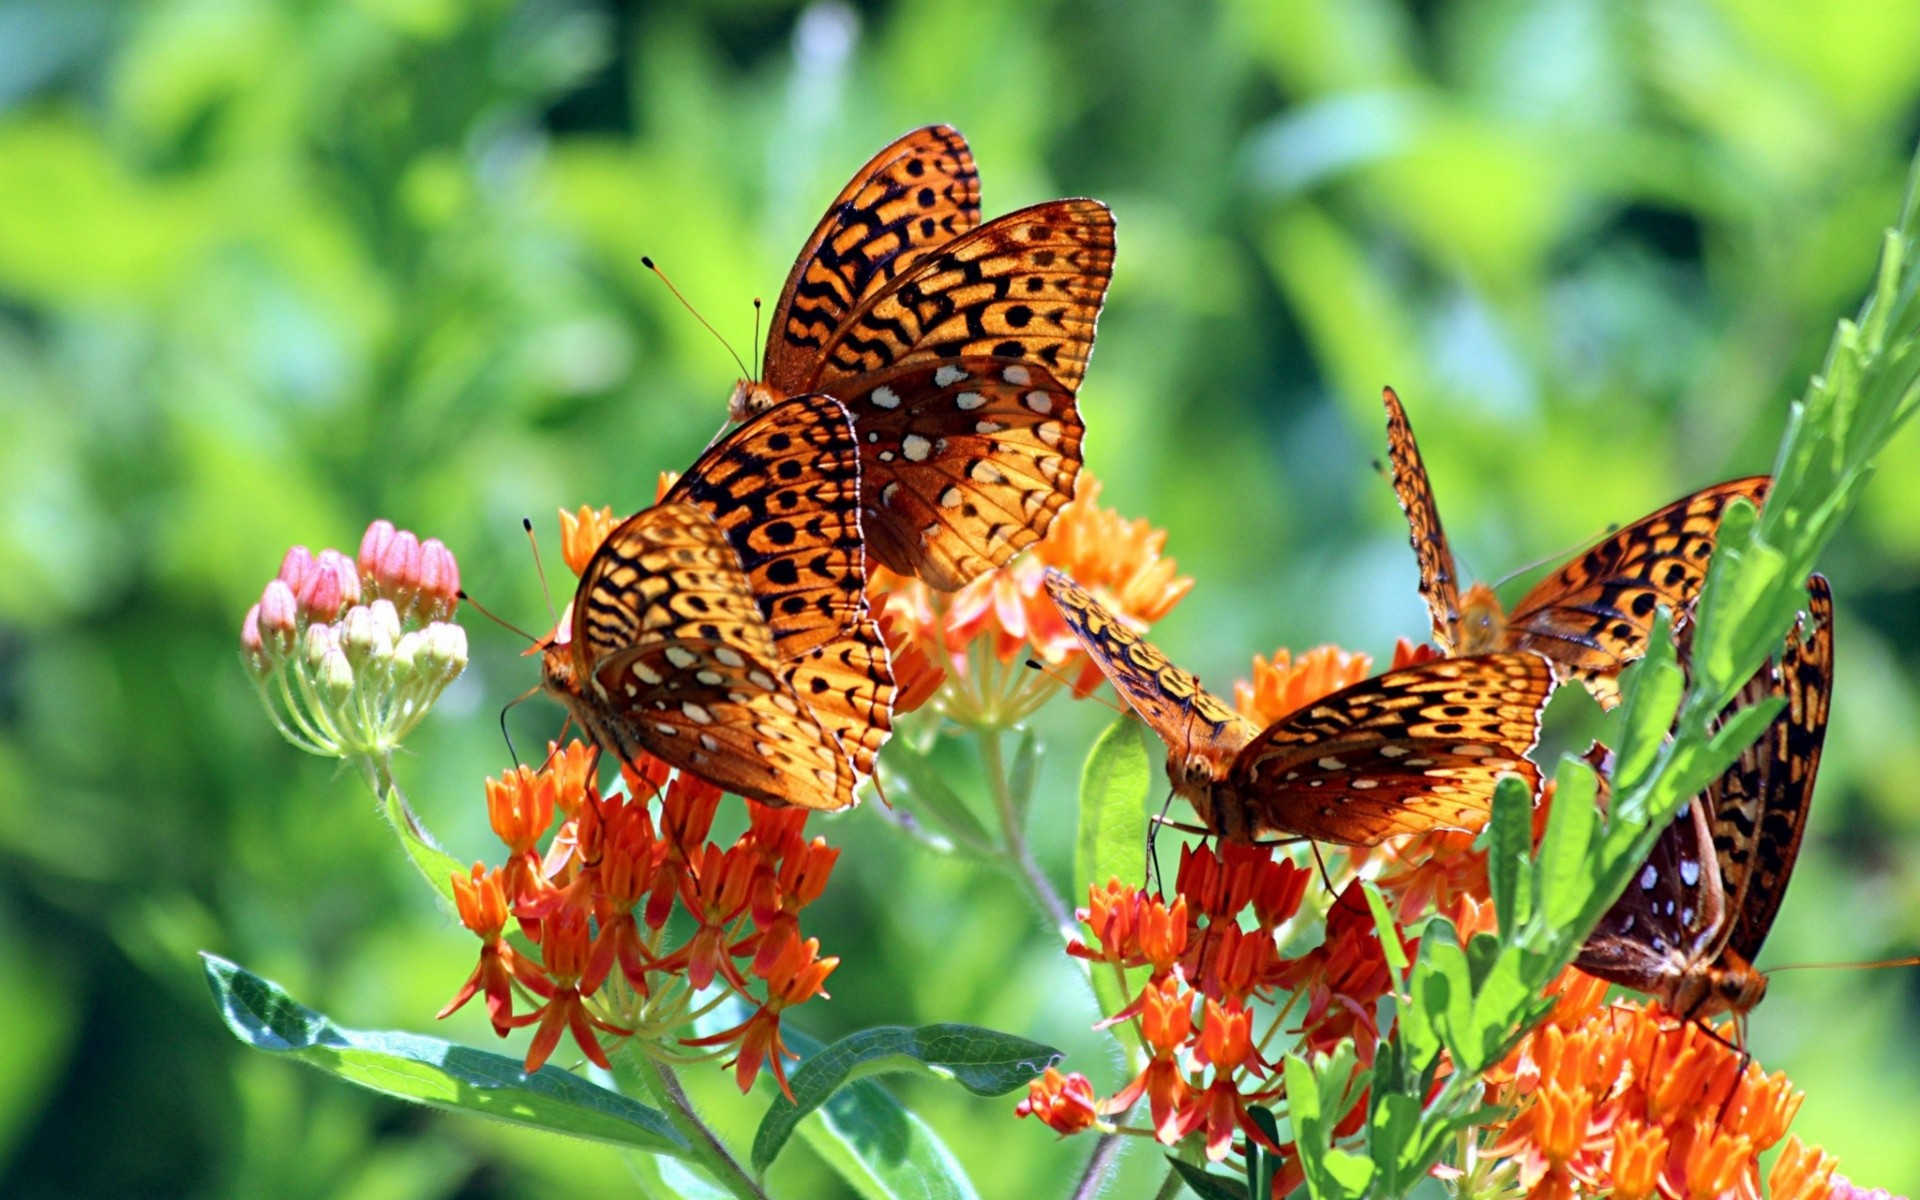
[
  {"x": 1594, "y": 615},
  {"x": 664, "y": 651},
  {"x": 1403, "y": 752},
  {"x": 958, "y": 347},
  {"x": 784, "y": 489},
  {"x": 1689, "y": 925}
]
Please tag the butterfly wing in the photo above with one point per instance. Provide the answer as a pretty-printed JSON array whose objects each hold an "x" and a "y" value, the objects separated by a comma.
[
  {"x": 1594, "y": 615},
  {"x": 1026, "y": 288},
  {"x": 1403, "y": 752},
  {"x": 1760, "y": 805},
  {"x": 1188, "y": 718},
  {"x": 1672, "y": 919},
  {"x": 964, "y": 463},
  {"x": 730, "y": 720},
  {"x": 847, "y": 684},
  {"x": 1439, "y": 586},
  {"x": 785, "y": 490},
  {"x": 912, "y": 198}
]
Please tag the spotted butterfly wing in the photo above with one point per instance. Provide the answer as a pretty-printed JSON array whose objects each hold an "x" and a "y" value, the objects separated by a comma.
[
  {"x": 913, "y": 197},
  {"x": 1691, "y": 922},
  {"x": 1594, "y": 615},
  {"x": 1406, "y": 751},
  {"x": 785, "y": 490},
  {"x": 1201, "y": 731},
  {"x": 666, "y": 653},
  {"x": 1439, "y": 586},
  {"x": 959, "y": 346}
]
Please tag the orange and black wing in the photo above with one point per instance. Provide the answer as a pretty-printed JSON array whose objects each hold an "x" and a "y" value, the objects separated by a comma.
[
  {"x": 1403, "y": 752},
  {"x": 913, "y": 197},
  {"x": 1760, "y": 805},
  {"x": 1024, "y": 288},
  {"x": 1439, "y": 586},
  {"x": 1594, "y": 615},
  {"x": 1188, "y": 718},
  {"x": 963, "y": 463},
  {"x": 785, "y": 489},
  {"x": 847, "y": 684}
]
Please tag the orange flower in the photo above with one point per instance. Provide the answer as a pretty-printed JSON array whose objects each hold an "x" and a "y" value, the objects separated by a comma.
[
  {"x": 567, "y": 955},
  {"x": 796, "y": 976},
  {"x": 1802, "y": 1172},
  {"x": 1062, "y": 1102},
  {"x": 483, "y": 909},
  {"x": 1639, "y": 1156},
  {"x": 1716, "y": 1160},
  {"x": 1284, "y": 683},
  {"x": 973, "y": 640},
  {"x": 581, "y": 534}
]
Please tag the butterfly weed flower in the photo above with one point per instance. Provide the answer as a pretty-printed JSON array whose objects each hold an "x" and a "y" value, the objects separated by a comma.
[
  {"x": 349, "y": 654},
  {"x": 967, "y": 649},
  {"x": 595, "y": 880}
]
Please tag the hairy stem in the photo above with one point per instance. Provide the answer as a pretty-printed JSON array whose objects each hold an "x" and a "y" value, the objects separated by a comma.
[
  {"x": 1106, "y": 1152},
  {"x": 1018, "y": 853},
  {"x": 707, "y": 1148}
]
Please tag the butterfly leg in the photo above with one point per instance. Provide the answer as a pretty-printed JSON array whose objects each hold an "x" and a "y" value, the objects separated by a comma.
[{"x": 1153, "y": 832}]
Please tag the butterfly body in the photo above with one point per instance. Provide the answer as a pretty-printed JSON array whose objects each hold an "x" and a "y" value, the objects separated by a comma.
[
  {"x": 1594, "y": 615},
  {"x": 1403, "y": 752},
  {"x": 1689, "y": 925},
  {"x": 958, "y": 347}
]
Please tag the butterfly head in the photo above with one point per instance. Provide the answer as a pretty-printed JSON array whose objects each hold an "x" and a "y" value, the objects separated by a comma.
[
  {"x": 751, "y": 398},
  {"x": 1195, "y": 775},
  {"x": 1729, "y": 985},
  {"x": 1483, "y": 623}
]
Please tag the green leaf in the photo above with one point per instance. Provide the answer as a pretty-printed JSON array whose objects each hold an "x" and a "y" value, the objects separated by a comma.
[
  {"x": 1262, "y": 1165},
  {"x": 1205, "y": 1184},
  {"x": 1115, "y": 786},
  {"x": 1652, "y": 698},
  {"x": 1332, "y": 1174},
  {"x": 984, "y": 1061},
  {"x": 883, "y": 1151},
  {"x": 929, "y": 793},
  {"x": 430, "y": 1071},
  {"x": 1020, "y": 776},
  {"x": 1384, "y": 929},
  {"x": 1564, "y": 875},
  {"x": 1510, "y": 855}
]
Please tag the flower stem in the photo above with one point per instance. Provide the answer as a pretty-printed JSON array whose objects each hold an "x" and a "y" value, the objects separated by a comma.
[
  {"x": 1170, "y": 1187},
  {"x": 1020, "y": 856},
  {"x": 708, "y": 1150},
  {"x": 1106, "y": 1152}
]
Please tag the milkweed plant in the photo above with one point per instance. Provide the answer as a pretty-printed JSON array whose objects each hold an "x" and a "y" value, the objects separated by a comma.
[{"x": 1351, "y": 1026}]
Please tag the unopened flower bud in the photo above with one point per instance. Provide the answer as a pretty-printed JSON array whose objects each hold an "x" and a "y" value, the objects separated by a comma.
[
  {"x": 336, "y": 676},
  {"x": 364, "y": 636},
  {"x": 386, "y": 617},
  {"x": 439, "y": 581},
  {"x": 396, "y": 572},
  {"x": 329, "y": 587},
  {"x": 253, "y": 650},
  {"x": 279, "y": 617},
  {"x": 295, "y": 567},
  {"x": 444, "y": 652},
  {"x": 321, "y": 641},
  {"x": 406, "y": 652},
  {"x": 373, "y": 543}
]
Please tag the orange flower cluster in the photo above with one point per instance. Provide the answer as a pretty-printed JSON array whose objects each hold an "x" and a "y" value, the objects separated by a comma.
[
  {"x": 595, "y": 902},
  {"x": 968, "y": 648},
  {"x": 1622, "y": 1098},
  {"x": 1212, "y": 962}
]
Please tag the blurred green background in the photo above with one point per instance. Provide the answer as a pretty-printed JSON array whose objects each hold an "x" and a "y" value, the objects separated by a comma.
[{"x": 268, "y": 270}]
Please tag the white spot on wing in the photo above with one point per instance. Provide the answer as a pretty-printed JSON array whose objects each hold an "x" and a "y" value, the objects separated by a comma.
[
  {"x": 1040, "y": 402},
  {"x": 915, "y": 447},
  {"x": 885, "y": 397},
  {"x": 950, "y": 498},
  {"x": 695, "y": 713},
  {"x": 729, "y": 656},
  {"x": 988, "y": 427},
  {"x": 968, "y": 401},
  {"x": 1330, "y": 763},
  {"x": 1017, "y": 376},
  {"x": 1648, "y": 877},
  {"x": 681, "y": 657},
  {"x": 948, "y": 376}
]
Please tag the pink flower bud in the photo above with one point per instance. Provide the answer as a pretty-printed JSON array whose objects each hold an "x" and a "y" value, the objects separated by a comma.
[
  {"x": 439, "y": 581},
  {"x": 397, "y": 574},
  {"x": 336, "y": 676},
  {"x": 295, "y": 567},
  {"x": 279, "y": 617},
  {"x": 331, "y": 586},
  {"x": 253, "y": 650},
  {"x": 373, "y": 545}
]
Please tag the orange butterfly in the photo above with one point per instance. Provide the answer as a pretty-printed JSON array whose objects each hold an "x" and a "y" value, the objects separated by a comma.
[
  {"x": 1403, "y": 752},
  {"x": 1687, "y": 929},
  {"x": 958, "y": 348},
  {"x": 1594, "y": 615},
  {"x": 726, "y": 629}
]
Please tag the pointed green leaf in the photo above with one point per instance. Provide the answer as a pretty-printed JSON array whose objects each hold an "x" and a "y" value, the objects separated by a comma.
[
  {"x": 984, "y": 1061},
  {"x": 928, "y": 793},
  {"x": 1510, "y": 855},
  {"x": 430, "y": 1071},
  {"x": 883, "y": 1151},
  {"x": 1115, "y": 786},
  {"x": 1564, "y": 876},
  {"x": 434, "y": 864},
  {"x": 1384, "y": 929},
  {"x": 1205, "y": 1184}
]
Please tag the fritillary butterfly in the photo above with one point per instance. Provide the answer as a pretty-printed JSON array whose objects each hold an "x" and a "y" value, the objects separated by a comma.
[
  {"x": 785, "y": 489},
  {"x": 665, "y": 652},
  {"x": 1689, "y": 926},
  {"x": 1594, "y": 615},
  {"x": 958, "y": 347},
  {"x": 1403, "y": 752}
]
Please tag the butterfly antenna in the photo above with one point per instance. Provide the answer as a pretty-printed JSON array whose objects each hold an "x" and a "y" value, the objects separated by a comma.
[
  {"x": 756, "y": 331},
  {"x": 502, "y": 622},
  {"x": 1055, "y": 675},
  {"x": 648, "y": 264},
  {"x": 540, "y": 569},
  {"x": 1910, "y": 961},
  {"x": 1563, "y": 553}
]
